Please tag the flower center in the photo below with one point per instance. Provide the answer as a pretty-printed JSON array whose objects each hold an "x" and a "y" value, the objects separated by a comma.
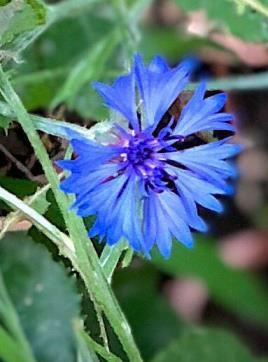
[{"x": 139, "y": 150}]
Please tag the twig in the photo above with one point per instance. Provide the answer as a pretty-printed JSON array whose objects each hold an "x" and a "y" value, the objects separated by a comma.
[{"x": 17, "y": 163}]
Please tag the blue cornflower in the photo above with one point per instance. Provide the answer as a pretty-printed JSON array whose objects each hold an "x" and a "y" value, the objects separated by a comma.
[{"x": 145, "y": 183}]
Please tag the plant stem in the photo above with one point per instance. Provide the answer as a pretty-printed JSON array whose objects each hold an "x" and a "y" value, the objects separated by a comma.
[
  {"x": 98, "y": 348},
  {"x": 109, "y": 258},
  {"x": 50, "y": 230},
  {"x": 86, "y": 256},
  {"x": 14, "y": 217}
]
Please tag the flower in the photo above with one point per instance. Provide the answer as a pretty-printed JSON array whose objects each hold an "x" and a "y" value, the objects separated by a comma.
[{"x": 145, "y": 183}]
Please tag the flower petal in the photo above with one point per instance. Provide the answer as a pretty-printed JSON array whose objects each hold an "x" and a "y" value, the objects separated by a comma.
[
  {"x": 200, "y": 114},
  {"x": 165, "y": 219},
  {"x": 159, "y": 87},
  {"x": 208, "y": 161},
  {"x": 121, "y": 97}
]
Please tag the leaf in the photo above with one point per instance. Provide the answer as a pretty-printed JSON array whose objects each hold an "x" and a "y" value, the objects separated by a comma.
[
  {"x": 4, "y": 122},
  {"x": 205, "y": 345},
  {"x": 170, "y": 43},
  {"x": 60, "y": 128},
  {"x": 8, "y": 347},
  {"x": 88, "y": 68},
  {"x": 226, "y": 15},
  {"x": 19, "y": 187},
  {"x": 43, "y": 295},
  {"x": 237, "y": 290},
  {"x": 154, "y": 323},
  {"x": 16, "y": 19}
]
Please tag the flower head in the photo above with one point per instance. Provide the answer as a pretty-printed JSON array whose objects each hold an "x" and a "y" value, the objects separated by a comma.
[{"x": 145, "y": 183}]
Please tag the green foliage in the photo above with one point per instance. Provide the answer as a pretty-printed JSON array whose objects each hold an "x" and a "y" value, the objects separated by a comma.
[
  {"x": 44, "y": 297},
  {"x": 236, "y": 290},
  {"x": 4, "y": 122},
  {"x": 170, "y": 43},
  {"x": 17, "y": 18},
  {"x": 58, "y": 68},
  {"x": 153, "y": 322},
  {"x": 85, "y": 44},
  {"x": 19, "y": 187},
  {"x": 205, "y": 345},
  {"x": 226, "y": 15},
  {"x": 88, "y": 68}
]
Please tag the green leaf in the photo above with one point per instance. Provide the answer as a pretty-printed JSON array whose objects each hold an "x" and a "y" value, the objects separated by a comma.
[
  {"x": 154, "y": 323},
  {"x": 237, "y": 290},
  {"x": 170, "y": 43},
  {"x": 89, "y": 67},
  {"x": 17, "y": 18},
  {"x": 43, "y": 295},
  {"x": 4, "y": 122},
  {"x": 9, "y": 348},
  {"x": 205, "y": 345},
  {"x": 19, "y": 187},
  {"x": 226, "y": 15}
]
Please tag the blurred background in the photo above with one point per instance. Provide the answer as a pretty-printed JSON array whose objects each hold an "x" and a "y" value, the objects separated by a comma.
[{"x": 222, "y": 282}]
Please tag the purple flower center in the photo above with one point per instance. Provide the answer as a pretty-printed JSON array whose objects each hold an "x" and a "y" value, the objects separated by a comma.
[
  {"x": 140, "y": 150},
  {"x": 141, "y": 153}
]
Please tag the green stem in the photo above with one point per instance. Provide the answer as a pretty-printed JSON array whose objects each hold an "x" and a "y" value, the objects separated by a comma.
[
  {"x": 14, "y": 217},
  {"x": 108, "y": 356},
  {"x": 50, "y": 230},
  {"x": 103, "y": 333},
  {"x": 87, "y": 259},
  {"x": 110, "y": 257}
]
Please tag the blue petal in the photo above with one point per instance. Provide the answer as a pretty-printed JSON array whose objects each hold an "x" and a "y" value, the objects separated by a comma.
[
  {"x": 164, "y": 218},
  {"x": 116, "y": 205},
  {"x": 121, "y": 97},
  {"x": 208, "y": 160},
  {"x": 175, "y": 217},
  {"x": 159, "y": 87},
  {"x": 198, "y": 190},
  {"x": 201, "y": 114},
  {"x": 158, "y": 65},
  {"x": 90, "y": 156},
  {"x": 82, "y": 182}
]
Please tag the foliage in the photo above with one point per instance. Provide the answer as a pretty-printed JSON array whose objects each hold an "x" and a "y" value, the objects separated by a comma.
[
  {"x": 50, "y": 53},
  {"x": 43, "y": 296},
  {"x": 205, "y": 345},
  {"x": 236, "y": 290},
  {"x": 232, "y": 16}
]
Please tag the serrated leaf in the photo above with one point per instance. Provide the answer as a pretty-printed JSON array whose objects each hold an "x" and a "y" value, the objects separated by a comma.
[
  {"x": 43, "y": 295},
  {"x": 205, "y": 345},
  {"x": 237, "y": 290},
  {"x": 227, "y": 16}
]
